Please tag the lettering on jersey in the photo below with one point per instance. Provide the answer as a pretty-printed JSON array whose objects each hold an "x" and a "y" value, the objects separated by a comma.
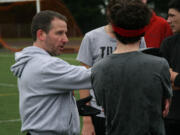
[{"x": 106, "y": 50}]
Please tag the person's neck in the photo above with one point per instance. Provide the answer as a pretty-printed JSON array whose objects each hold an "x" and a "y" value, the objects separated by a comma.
[
  {"x": 122, "y": 48},
  {"x": 109, "y": 31},
  {"x": 43, "y": 46},
  {"x": 39, "y": 44}
]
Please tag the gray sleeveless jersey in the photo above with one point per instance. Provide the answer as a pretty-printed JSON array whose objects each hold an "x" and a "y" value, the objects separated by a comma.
[{"x": 96, "y": 45}]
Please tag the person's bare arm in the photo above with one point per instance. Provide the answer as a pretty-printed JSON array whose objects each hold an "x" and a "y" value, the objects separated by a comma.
[
  {"x": 167, "y": 103},
  {"x": 88, "y": 127},
  {"x": 84, "y": 93}
]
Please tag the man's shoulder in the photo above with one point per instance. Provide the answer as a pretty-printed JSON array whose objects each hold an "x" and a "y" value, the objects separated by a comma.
[
  {"x": 151, "y": 59},
  {"x": 96, "y": 31},
  {"x": 45, "y": 61},
  {"x": 103, "y": 62},
  {"x": 173, "y": 38}
]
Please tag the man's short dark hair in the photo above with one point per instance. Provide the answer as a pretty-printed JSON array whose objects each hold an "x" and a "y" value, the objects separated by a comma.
[
  {"x": 42, "y": 20},
  {"x": 174, "y": 4},
  {"x": 129, "y": 15}
]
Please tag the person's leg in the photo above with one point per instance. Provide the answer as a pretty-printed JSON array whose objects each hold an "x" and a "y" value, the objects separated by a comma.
[{"x": 99, "y": 125}]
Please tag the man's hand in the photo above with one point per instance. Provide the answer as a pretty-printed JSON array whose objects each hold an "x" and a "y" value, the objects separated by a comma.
[
  {"x": 88, "y": 128},
  {"x": 173, "y": 77},
  {"x": 173, "y": 74},
  {"x": 86, "y": 110}
]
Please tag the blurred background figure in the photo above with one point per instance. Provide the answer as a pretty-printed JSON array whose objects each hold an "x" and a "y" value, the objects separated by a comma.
[
  {"x": 157, "y": 30},
  {"x": 133, "y": 88},
  {"x": 170, "y": 49}
]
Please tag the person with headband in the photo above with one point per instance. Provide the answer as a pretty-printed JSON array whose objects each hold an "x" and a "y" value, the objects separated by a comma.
[
  {"x": 96, "y": 45},
  {"x": 133, "y": 88}
]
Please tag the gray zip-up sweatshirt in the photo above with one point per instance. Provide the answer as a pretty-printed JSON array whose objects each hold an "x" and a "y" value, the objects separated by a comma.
[{"x": 47, "y": 105}]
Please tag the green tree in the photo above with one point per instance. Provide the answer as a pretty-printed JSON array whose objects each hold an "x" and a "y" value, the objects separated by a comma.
[
  {"x": 159, "y": 6},
  {"x": 87, "y": 13}
]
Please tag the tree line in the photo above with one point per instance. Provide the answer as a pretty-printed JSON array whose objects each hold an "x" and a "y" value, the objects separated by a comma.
[{"x": 90, "y": 14}]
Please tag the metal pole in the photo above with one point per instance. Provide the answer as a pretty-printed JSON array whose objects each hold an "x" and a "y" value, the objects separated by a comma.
[{"x": 37, "y": 6}]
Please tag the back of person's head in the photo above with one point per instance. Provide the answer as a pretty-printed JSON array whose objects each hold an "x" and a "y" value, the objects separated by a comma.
[
  {"x": 42, "y": 20},
  {"x": 175, "y": 4},
  {"x": 112, "y": 3},
  {"x": 128, "y": 19}
]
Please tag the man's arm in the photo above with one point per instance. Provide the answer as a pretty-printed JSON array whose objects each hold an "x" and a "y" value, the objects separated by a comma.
[
  {"x": 88, "y": 127},
  {"x": 175, "y": 79},
  {"x": 167, "y": 103},
  {"x": 84, "y": 93},
  {"x": 167, "y": 92}
]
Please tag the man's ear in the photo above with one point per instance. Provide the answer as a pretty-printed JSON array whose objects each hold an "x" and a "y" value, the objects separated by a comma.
[{"x": 41, "y": 35}]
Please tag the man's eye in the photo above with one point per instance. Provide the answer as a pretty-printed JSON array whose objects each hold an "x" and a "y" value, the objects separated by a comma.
[
  {"x": 170, "y": 15},
  {"x": 60, "y": 33}
]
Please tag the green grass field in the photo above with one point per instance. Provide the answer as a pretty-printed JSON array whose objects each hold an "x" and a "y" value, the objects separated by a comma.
[{"x": 10, "y": 123}]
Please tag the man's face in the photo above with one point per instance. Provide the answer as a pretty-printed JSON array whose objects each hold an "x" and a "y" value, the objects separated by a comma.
[
  {"x": 56, "y": 38},
  {"x": 174, "y": 20},
  {"x": 144, "y": 1}
]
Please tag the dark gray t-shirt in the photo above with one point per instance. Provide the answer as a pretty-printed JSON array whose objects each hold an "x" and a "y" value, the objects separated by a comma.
[
  {"x": 96, "y": 45},
  {"x": 131, "y": 87}
]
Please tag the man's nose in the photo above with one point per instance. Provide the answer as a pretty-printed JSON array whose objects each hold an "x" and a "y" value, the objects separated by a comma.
[
  {"x": 169, "y": 20},
  {"x": 65, "y": 39}
]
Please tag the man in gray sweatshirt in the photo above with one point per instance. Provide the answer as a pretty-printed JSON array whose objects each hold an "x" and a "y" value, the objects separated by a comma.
[{"x": 45, "y": 82}]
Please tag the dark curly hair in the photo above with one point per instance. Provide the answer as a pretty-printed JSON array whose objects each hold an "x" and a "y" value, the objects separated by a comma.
[{"x": 129, "y": 15}]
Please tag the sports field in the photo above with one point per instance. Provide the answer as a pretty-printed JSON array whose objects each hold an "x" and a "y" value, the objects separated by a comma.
[{"x": 9, "y": 111}]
